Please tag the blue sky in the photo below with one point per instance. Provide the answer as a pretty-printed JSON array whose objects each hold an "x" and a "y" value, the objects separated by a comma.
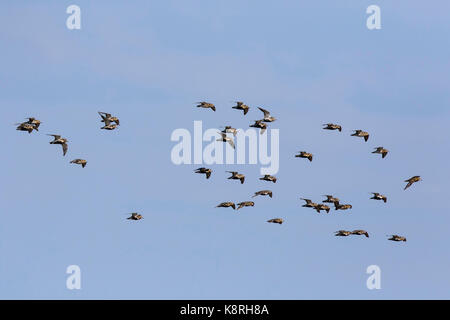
[{"x": 148, "y": 63}]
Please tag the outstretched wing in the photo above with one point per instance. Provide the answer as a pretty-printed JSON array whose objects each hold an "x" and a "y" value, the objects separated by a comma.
[
  {"x": 65, "y": 147},
  {"x": 231, "y": 142},
  {"x": 266, "y": 113}
]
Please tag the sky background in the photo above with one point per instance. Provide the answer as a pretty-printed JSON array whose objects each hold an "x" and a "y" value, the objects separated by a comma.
[{"x": 309, "y": 63}]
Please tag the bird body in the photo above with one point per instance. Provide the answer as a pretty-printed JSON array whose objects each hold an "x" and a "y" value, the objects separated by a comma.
[
  {"x": 304, "y": 154},
  {"x": 267, "y": 116},
  {"x": 378, "y": 196},
  {"x": 332, "y": 126},
  {"x": 230, "y": 129},
  {"x": 309, "y": 203},
  {"x": 237, "y": 176},
  {"x": 224, "y": 138},
  {"x": 241, "y": 106},
  {"x": 245, "y": 204},
  {"x": 395, "y": 237},
  {"x": 206, "y": 105},
  {"x": 411, "y": 181},
  {"x": 34, "y": 122},
  {"x": 276, "y": 220},
  {"x": 107, "y": 118},
  {"x": 330, "y": 199},
  {"x": 226, "y": 205},
  {"x": 338, "y": 206},
  {"x": 361, "y": 232},
  {"x": 109, "y": 127},
  {"x": 342, "y": 233},
  {"x": 259, "y": 124},
  {"x": 81, "y": 162},
  {"x": 135, "y": 216},
  {"x": 362, "y": 134},
  {"x": 61, "y": 141},
  {"x": 319, "y": 207},
  {"x": 268, "y": 177},
  {"x": 205, "y": 171},
  {"x": 263, "y": 193},
  {"x": 381, "y": 151},
  {"x": 26, "y": 127}
]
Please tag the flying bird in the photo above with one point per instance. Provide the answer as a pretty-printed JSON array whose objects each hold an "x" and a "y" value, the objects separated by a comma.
[
  {"x": 135, "y": 216},
  {"x": 378, "y": 196},
  {"x": 338, "y": 206},
  {"x": 241, "y": 106},
  {"x": 395, "y": 237},
  {"x": 342, "y": 233},
  {"x": 276, "y": 220},
  {"x": 107, "y": 118},
  {"x": 309, "y": 203},
  {"x": 81, "y": 162},
  {"x": 268, "y": 177},
  {"x": 237, "y": 176},
  {"x": 34, "y": 122},
  {"x": 304, "y": 154},
  {"x": 361, "y": 232},
  {"x": 362, "y": 134},
  {"x": 332, "y": 126},
  {"x": 206, "y": 105},
  {"x": 224, "y": 138},
  {"x": 25, "y": 127},
  {"x": 61, "y": 141},
  {"x": 381, "y": 151},
  {"x": 411, "y": 181},
  {"x": 205, "y": 171},
  {"x": 318, "y": 207},
  {"x": 245, "y": 204},
  {"x": 330, "y": 199},
  {"x": 263, "y": 193},
  {"x": 259, "y": 124},
  {"x": 227, "y": 205},
  {"x": 108, "y": 126},
  {"x": 267, "y": 116},
  {"x": 230, "y": 129}
]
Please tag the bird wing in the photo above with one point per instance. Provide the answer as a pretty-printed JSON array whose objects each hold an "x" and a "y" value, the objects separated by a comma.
[
  {"x": 55, "y": 136},
  {"x": 65, "y": 147},
  {"x": 266, "y": 113}
]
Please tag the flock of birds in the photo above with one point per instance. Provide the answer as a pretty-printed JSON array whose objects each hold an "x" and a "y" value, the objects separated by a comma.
[
  {"x": 111, "y": 123},
  {"x": 330, "y": 199}
]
